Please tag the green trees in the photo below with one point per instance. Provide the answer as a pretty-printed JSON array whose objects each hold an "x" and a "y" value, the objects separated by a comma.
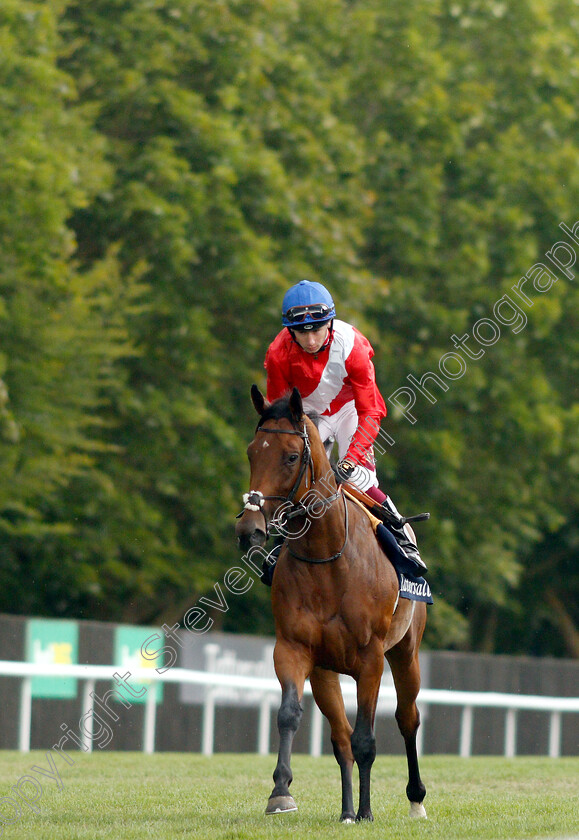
[
  {"x": 216, "y": 131},
  {"x": 472, "y": 173},
  {"x": 167, "y": 170},
  {"x": 59, "y": 335}
]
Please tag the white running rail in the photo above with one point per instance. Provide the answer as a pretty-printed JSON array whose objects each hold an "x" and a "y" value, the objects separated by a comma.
[{"x": 269, "y": 691}]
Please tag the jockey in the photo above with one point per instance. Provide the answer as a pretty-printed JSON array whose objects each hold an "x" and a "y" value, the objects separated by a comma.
[{"x": 329, "y": 361}]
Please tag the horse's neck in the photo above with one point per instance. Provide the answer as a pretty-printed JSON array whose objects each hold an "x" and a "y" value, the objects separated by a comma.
[
  {"x": 324, "y": 479},
  {"x": 324, "y": 487}
]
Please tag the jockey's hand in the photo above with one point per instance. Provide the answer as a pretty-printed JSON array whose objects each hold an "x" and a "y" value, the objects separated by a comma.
[{"x": 345, "y": 468}]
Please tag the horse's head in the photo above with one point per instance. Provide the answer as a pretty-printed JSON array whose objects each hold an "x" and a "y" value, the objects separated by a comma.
[{"x": 280, "y": 462}]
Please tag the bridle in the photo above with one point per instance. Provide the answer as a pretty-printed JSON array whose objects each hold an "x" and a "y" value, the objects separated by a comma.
[{"x": 254, "y": 500}]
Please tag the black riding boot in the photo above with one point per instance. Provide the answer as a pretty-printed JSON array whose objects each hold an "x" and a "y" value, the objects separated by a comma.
[
  {"x": 406, "y": 545},
  {"x": 270, "y": 561},
  {"x": 395, "y": 524}
]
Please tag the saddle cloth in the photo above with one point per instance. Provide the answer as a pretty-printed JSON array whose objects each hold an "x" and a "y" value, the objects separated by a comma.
[{"x": 411, "y": 584}]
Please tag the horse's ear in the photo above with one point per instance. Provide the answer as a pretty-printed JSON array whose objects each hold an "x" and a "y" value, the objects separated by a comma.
[
  {"x": 258, "y": 400},
  {"x": 296, "y": 405}
]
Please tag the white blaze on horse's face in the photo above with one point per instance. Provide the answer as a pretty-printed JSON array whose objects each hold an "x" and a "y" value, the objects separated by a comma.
[{"x": 265, "y": 445}]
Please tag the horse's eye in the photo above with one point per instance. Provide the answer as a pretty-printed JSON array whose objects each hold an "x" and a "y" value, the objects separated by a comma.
[{"x": 292, "y": 458}]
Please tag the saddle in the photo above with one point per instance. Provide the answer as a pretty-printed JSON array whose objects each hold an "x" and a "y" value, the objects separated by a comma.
[{"x": 378, "y": 512}]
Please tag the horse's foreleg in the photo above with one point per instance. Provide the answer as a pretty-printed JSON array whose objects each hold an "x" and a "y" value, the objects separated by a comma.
[
  {"x": 403, "y": 660},
  {"x": 288, "y": 721},
  {"x": 328, "y": 695},
  {"x": 363, "y": 738},
  {"x": 291, "y": 674}
]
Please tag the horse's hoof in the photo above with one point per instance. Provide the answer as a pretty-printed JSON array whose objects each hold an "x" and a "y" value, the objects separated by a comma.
[
  {"x": 347, "y": 817},
  {"x": 280, "y": 805},
  {"x": 417, "y": 810}
]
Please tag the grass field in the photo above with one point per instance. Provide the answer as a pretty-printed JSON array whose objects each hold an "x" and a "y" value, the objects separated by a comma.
[{"x": 170, "y": 796}]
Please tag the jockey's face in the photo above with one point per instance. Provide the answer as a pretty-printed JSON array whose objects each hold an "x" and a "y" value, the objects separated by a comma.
[{"x": 312, "y": 340}]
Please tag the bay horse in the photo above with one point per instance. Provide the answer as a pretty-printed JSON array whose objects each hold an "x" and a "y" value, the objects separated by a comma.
[{"x": 335, "y": 604}]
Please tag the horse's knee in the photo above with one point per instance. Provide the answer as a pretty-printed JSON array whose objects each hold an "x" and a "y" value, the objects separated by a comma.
[{"x": 290, "y": 711}]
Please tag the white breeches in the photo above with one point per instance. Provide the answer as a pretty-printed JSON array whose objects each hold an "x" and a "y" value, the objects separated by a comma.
[{"x": 340, "y": 428}]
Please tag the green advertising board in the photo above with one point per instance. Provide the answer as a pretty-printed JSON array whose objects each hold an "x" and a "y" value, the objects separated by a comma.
[
  {"x": 52, "y": 642},
  {"x": 127, "y": 655}
]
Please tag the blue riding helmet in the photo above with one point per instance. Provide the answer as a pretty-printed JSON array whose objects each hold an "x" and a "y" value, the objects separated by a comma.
[{"x": 306, "y": 305}]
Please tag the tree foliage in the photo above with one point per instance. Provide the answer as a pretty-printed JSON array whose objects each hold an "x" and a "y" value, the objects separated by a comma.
[{"x": 167, "y": 170}]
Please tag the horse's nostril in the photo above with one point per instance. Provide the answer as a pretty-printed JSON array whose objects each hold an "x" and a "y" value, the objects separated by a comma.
[
  {"x": 254, "y": 539},
  {"x": 258, "y": 538}
]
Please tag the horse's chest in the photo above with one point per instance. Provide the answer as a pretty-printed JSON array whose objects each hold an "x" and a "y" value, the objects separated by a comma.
[{"x": 337, "y": 646}]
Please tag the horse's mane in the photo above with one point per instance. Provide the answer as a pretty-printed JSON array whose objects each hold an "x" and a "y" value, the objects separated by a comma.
[{"x": 280, "y": 408}]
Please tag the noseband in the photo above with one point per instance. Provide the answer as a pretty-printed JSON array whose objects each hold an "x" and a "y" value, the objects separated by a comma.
[{"x": 255, "y": 499}]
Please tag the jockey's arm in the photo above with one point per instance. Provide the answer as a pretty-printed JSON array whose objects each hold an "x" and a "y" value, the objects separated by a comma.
[
  {"x": 360, "y": 448},
  {"x": 370, "y": 408}
]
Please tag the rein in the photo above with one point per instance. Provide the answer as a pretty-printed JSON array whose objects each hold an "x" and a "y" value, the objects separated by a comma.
[
  {"x": 338, "y": 553},
  {"x": 255, "y": 499}
]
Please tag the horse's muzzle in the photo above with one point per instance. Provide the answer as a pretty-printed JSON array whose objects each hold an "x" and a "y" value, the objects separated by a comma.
[
  {"x": 247, "y": 541},
  {"x": 250, "y": 530}
]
